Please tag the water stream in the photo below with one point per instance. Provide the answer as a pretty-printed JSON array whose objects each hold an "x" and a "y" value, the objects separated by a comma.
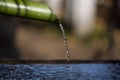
[
  {"x": 68, "y": 67},
  {"x": 66, "y": 42}
]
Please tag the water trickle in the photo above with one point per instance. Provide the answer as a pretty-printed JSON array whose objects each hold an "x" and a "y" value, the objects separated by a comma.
[
  {"x": 68, "y": 67},
  {"x": 65, "y": 41}
]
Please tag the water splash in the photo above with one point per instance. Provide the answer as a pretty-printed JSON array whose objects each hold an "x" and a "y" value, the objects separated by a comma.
[{"x": 66, "y": 42}]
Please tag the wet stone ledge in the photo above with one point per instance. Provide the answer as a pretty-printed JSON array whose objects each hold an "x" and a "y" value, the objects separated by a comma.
[{"x": 81, "y": 71}]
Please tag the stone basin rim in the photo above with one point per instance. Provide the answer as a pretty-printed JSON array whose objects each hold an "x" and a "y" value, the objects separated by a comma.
[{"x": 14, "y": 61}]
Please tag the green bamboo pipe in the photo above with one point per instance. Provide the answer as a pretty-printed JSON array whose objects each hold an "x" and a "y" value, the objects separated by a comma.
[{"x": 27, "y": 9}]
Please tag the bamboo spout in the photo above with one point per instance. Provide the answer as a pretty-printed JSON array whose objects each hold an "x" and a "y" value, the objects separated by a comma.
[{"x": 27, "y": 9}]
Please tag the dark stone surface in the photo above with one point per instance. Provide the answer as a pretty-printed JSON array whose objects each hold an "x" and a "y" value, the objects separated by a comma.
[{"x": 84, "y": 71}]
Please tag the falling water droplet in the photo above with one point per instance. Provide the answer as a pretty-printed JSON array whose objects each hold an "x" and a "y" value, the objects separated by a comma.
[
  {"x": 66, "y": 42},
  {"x": 68, "y": 67}
]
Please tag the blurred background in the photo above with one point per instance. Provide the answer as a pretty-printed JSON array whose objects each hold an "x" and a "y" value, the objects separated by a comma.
[{"x": 91, "y": 26}]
